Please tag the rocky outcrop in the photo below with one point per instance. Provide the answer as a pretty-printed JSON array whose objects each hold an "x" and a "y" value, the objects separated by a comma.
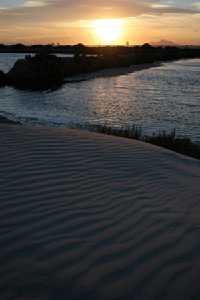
[
  {"x": 4, "y": 120},
  {"x": 48, "y": 71},
  {"x": 3, "y": 80},
  {"x": 38, "y": 72}
]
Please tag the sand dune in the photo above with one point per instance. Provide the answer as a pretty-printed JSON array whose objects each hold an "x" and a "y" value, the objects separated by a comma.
[{"x": 87, "y": 216}]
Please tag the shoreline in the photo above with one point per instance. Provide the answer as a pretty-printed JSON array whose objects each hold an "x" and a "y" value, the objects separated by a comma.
[
  {"x": 111, "y": 72},
  {"x": 183, "y": 146},
  {"x": 119, "y": 71},
  {"x": 114, "y": 71}
]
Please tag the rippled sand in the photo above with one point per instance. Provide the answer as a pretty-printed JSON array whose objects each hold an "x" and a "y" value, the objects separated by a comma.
[{"x": 87, "y": 216}]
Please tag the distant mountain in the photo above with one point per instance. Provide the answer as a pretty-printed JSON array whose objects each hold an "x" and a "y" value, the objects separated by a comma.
[{"x": 164, "y": 43}]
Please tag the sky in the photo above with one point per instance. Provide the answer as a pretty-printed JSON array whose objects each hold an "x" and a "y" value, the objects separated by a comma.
[{"x": 74, "y": 21}]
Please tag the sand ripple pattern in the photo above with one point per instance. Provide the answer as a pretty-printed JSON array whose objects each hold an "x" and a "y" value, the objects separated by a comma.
[{"x": 87, "y": 216}]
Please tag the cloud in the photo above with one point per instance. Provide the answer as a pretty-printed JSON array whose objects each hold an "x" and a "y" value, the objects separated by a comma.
[
  {"x": 36, "y": 3},
  {"x": 34, "y": 18},
  {"x": 116, "y": 8}
]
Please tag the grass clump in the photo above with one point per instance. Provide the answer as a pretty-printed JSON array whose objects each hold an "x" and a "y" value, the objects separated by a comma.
[
  {"x": 180, "y": 145},
  {"x": 131, "y": 132},
  {"x": 166, "y": 140}
]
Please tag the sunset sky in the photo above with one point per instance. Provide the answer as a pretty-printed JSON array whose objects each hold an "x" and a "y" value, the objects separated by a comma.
[{"x": 74, "y": 21}]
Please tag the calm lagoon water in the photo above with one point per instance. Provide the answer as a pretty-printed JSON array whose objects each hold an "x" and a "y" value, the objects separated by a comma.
[{"x": 160, "y": 98}]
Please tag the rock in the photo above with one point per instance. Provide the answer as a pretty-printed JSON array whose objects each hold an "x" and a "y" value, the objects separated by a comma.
[
  {"x": 4, "y": 120},
  {"x": 3, "y": 79},
  {"x": 38, "y": 72}
]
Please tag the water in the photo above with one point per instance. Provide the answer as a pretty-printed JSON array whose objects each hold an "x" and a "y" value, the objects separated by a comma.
[{"x": 160, "y": 98}]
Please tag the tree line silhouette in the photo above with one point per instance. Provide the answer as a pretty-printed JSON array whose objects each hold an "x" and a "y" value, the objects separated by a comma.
[
  {"x": 144, "y": 52},
  {"x": 46, "y": 70}
]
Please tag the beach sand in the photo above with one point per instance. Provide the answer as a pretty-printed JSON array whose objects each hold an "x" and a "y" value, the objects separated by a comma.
[{"x": 88, "y": 216}]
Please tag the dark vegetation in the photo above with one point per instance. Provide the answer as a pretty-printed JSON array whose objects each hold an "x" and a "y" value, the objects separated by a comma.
[
  {"x": 45, "y": 70},
  {"x": 160, "y": 52},
  {"x": 38, "y": 72},
  {"x": 180, "y": 145},
  {"x": 169, "y": 141},
  {"x": 5, "y": 120},
  {"x": 165, "y": 140}
]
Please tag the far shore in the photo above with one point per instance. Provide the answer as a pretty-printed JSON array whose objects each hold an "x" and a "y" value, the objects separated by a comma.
[
  {"x": 112, "y": 72},
  {"x": 46, "y": 71}
]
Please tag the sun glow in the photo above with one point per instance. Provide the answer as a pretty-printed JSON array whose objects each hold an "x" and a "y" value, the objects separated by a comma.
[{"x": 108, "y": 31}]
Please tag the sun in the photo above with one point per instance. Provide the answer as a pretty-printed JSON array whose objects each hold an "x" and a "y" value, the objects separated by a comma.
[{"x": 108, "y": 31}]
